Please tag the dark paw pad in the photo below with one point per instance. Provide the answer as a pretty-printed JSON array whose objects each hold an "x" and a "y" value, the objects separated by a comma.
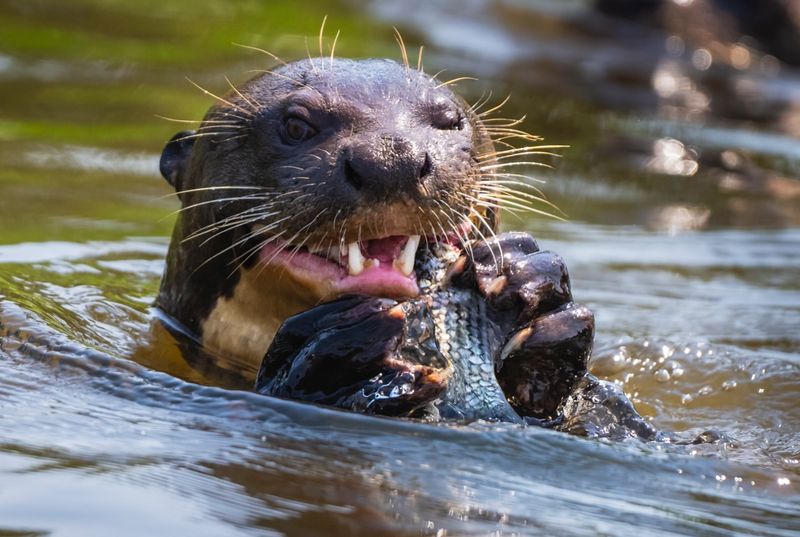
[
  {"x": 542, "y": 362},
  {"x": 517, "y": 280},
  {"x": 363, "y": 353}
]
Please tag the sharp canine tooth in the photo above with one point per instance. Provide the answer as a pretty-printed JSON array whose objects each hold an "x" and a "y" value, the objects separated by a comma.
[
  {"x": 405, "y": 262},
  {"x": 355, "y": 261}
]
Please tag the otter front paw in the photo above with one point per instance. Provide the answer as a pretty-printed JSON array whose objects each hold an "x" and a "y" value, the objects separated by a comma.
[
  {"x": 361, "y": 353},
  {"x": 542, "y": 363},
  {"x": 548, "y": 337},
  {"x": 519, "y": 281}
]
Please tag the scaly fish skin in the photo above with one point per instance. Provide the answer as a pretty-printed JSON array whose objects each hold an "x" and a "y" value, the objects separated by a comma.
[{"x": 468, "y": 340}]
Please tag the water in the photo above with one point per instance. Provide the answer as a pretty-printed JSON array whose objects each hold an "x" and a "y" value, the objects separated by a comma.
[{"x": 683, "y": 236}]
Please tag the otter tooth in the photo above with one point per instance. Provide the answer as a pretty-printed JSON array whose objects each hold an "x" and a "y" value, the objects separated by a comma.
[
  {"x": 355, "y": 261},
  {"x": 405, "y": 262}
]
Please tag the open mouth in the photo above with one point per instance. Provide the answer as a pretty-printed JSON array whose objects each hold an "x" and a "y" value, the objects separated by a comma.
[{"x": 379, "y": 267}]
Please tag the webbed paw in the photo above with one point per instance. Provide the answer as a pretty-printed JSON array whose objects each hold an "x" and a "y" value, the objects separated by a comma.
[
  {"x": 373, "y": 355},
  {"x": 600, "y": 408},
  {"x": 542, "y": 362},
  {"x": 548, "y": 337},
  {"x": 519, "y": 281}
]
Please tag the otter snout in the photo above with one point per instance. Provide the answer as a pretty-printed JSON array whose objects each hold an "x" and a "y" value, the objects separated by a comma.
[{"x": 386, "y": 167}]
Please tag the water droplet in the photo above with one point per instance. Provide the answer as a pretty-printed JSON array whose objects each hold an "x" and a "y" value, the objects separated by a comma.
[
  {"x": 662, "y": 375},
  {"x": 728, "y": 385},
  {"x": 617, "y": 363}
]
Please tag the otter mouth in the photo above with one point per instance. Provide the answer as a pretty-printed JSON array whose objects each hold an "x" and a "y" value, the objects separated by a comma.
[{"x": 379, "y": 267}]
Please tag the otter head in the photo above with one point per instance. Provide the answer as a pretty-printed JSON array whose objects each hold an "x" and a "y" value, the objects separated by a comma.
[{"x": 315, "y": 180}]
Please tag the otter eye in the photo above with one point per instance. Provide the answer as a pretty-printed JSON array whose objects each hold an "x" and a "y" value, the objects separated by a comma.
[
  {"x": 298, "y": 130},
  {"x": 449, "y": 120}
]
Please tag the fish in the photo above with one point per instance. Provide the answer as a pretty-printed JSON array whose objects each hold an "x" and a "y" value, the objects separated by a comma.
[
  {"x": 493, "y": 336},
  {"x": 429, "y": 357},
  {"x": 468, "y": 340}
]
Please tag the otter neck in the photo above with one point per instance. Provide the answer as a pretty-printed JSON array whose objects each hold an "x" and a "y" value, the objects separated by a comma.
[
  {"x": 234, "y": 317},
  {"x": 240, "y": 327}
]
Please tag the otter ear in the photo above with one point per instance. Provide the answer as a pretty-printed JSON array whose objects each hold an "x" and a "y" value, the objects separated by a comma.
[{"x": 175, "y": 156}]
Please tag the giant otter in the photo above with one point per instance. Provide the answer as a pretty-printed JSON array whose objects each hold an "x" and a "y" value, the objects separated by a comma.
[
  {"x": 322, "y": 179},
  {"x": 312, "y": 181}
]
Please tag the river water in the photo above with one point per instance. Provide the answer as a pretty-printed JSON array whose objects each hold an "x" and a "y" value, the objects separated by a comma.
[{"x": 683, "y": 235}]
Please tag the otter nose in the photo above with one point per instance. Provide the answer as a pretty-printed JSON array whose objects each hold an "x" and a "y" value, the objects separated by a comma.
[{"x": 386, "y": 167}]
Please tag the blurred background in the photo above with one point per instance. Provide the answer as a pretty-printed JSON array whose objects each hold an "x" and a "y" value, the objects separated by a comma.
[
  {"x": 681, "y": 186},
  {"x": 680, "y": 114}
]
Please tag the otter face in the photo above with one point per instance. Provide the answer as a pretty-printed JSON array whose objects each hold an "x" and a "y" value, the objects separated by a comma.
[{"x": 316, "y": 180}]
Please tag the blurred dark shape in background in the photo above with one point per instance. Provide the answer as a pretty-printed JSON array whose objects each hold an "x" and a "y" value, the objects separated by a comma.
[{"x": 771, "y": 26}]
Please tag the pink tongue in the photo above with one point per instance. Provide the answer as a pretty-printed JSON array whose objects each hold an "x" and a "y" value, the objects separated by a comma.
[{"x": 384, "y": 250}]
